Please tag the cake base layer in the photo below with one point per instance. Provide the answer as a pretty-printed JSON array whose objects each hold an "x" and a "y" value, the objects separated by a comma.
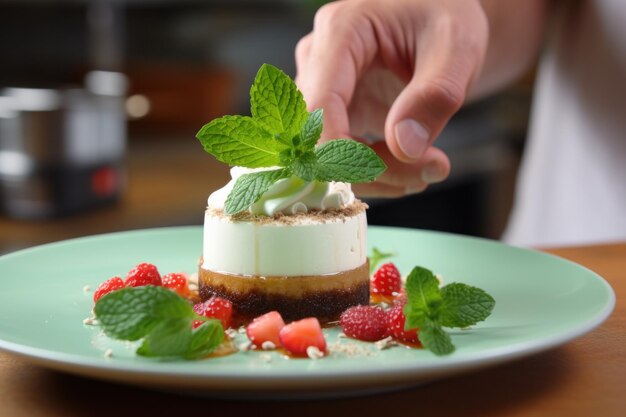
[{"x": 321, "y": 296}]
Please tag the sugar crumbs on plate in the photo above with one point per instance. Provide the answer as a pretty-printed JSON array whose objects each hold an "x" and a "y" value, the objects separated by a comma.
[{"x": 350, "y": 349}]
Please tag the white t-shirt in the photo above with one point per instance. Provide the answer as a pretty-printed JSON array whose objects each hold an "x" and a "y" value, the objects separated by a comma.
[{"x": 572, "y": 184}]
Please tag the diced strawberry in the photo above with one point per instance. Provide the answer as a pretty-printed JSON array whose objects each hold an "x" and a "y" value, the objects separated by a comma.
[
  {"x": 107, "y": 286},
  {"x": 364, "y": 323},
  {"x": 265, "y": 328},
  {"x": 395, "y": 324},
  {"x": 216, "y": 308},
  {"x": 196, "y": 323},
  {"x": 143, "y": 274},
  {"x": 386, "y": 280},
  {"x": 176, "y": 282},
  {"x": 299, "y": 335}
]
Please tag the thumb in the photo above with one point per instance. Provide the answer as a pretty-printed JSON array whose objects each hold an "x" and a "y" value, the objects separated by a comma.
[{"x": 418, "y": 115}]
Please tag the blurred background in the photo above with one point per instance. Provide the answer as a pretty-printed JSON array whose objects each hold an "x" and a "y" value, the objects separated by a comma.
[{"x": 100, "y": 101}]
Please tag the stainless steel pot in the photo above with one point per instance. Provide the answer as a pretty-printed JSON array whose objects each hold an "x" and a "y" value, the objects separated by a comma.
[{"x": 62, "y": 151}]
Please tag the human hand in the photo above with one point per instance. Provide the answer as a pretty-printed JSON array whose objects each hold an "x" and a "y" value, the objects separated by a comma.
[{"x": 394, "y": 69}]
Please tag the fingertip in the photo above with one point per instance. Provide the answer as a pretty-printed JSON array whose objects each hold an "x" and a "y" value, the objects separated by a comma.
[
  {"x": 412, "y": 138},
  {"x": 418, "y": 115},
  {"x": 436, "y": 166}
]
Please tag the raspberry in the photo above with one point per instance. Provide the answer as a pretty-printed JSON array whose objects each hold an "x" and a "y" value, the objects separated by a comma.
[
  {"x": 364, "y": 323},
  {"x": 386, "y": 280},
  {"x": 143, "y": 274},
  {"x": 107, "y": 286},
  {"x": 216, "y": 308},
  {"x": 395, "y": 324},
  {"x": 176, "y": 282}
]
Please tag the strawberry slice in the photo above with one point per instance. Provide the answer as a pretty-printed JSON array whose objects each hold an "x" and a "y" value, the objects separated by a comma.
[
  {"x": 216, "y": 308},
  {"x": 265, "y": 328},
  {"x": 395, "y": 324},
  {"x": 367, "y": 323},
  {"x": 143, "y": 274},
  {"x": 107, "y": 286},
  {"x": 386, "y": 280},
  {"x": 176, "y": 282},
  {"x": 300, "y": 335}
]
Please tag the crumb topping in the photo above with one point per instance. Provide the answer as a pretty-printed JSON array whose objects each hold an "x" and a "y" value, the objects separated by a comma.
[
  {"x": 349, "y": 349},
  {"x": 90, "y": 321},
  {"x": 386, "y": 343},
  {"x": 313, "y": 352},
  {"x": 268, "y": 345},
  {"x": 283, "y": 219}
]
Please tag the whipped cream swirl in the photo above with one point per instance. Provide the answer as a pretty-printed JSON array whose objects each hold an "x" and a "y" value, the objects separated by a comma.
[{"x": 289, "y": 196}]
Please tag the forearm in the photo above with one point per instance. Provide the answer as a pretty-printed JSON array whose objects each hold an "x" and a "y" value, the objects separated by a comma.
[{"x": 516, "y": 33}]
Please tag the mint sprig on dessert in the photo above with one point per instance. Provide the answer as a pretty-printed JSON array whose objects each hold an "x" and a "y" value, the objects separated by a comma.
[
  {"x": 430, "y": 308},
  {"x": 160, "y": 317},
  {"x": 282, "y": 134}
]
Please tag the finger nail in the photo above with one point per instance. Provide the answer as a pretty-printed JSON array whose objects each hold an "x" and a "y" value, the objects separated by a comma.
[
  {"x": 433, "y": 173},
  {"x": 412, "y": 137}
]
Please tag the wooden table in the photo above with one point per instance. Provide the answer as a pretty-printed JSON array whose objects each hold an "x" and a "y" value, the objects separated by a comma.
[{"x": 586, "y": 377}]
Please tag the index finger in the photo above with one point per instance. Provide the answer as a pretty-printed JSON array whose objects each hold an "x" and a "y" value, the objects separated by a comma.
[{"x": 328, "y": 64}]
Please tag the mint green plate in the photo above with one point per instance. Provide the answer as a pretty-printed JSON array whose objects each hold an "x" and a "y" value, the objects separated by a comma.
[{"x": 542, "y": 301}]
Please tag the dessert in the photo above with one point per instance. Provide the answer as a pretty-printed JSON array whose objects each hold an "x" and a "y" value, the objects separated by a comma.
[
  {"x": 286, "y": 233},
  {"x": 301, "y": 250}
]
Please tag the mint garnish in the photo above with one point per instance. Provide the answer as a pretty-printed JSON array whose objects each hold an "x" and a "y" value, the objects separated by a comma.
[
  {"x": 276, "y": 103},
  {"x": 281, "y": 133},
  {"x": 434, "y": 338},
  {"x": 347, "y": 161},
  {"x": 312, "y": 129},
  {"x": 249, "y": 187},
  {"x": 239, "y": 140},
  {"x": 430, "y": 308},
  {"x": 204, "y": 339},
  {"x": 161, "y": 318}
]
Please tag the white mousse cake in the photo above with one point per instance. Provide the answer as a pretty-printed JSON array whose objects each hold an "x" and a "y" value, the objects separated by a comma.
[{"x": 301, "y": 250}]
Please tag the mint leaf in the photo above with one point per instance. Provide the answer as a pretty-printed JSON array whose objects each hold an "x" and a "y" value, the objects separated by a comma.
[
  {"x": 312, "y": 129},
  {"x": 346, "y": 160},
  {"x": 414, "y": 317},
  {"x": 276, "y": 103},
  {"x": 205, "y": 339},
  {"x": 132, "y": 313},
  {"x": 422, "y": 289},
  {"x": 305, "y": 166},
  {"x": 423, "y": 298},
  {"x": 464, "y": 305},
  {"x": 170, "y": 338},
  {"x": 376, "y": 257},
  {"x": 428, "y": 308},
  {"x": 250, "y": 187},
  {"x": 162, "y": 318},
  {"x": 240, "y": 140},
  {"x": 435, "y": 339}
]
